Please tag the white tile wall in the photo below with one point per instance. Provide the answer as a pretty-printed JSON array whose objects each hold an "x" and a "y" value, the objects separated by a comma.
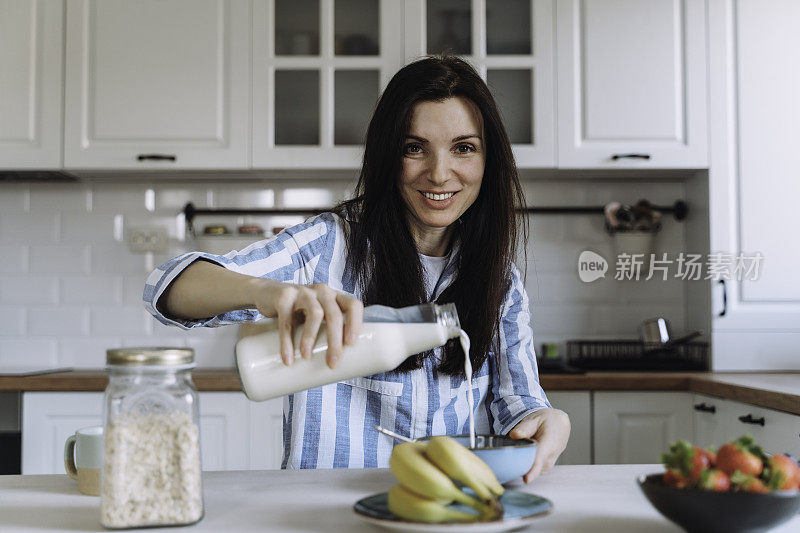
[
  {"x": 59, "y": 321},
  {"x": 12, "y": 321},
  {"x": 70, "y": 289},
  {"x": 93, "y": 290}
]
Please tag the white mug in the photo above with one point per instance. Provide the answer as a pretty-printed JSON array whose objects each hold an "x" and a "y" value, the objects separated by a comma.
[{"x": 83, "y": 458}]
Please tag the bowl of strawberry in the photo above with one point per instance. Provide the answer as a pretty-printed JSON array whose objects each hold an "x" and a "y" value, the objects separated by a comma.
[{"x": 738, "y": 488}]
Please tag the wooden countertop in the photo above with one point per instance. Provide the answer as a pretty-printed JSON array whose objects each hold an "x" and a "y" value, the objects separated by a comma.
[{"x": 780, "y": 391}]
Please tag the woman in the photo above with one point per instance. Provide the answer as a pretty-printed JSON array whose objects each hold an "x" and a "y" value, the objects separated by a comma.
[{"x": 433, "y": 219}]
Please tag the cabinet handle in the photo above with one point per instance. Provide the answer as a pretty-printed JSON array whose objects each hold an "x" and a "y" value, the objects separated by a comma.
[
  {"x": 705, "y": 408},
  {"x": 724, "y": 298},
  {"x": 156, "y": 157},
  {"x": 616, "y": 157},
  {"x": 748, "y": 419}
]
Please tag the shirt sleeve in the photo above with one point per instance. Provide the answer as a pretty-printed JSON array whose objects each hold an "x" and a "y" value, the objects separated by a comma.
[
  {"x": 291, "y": 256},
  {"x": 515, "y": 387}
]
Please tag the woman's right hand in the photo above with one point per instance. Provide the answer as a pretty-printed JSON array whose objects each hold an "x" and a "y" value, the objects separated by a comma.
[{"x": 309, "y": 305}]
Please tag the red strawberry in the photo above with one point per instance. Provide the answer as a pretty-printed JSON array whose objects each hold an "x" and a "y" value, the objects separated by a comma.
[
  {"x": 741, "y": 455},
  {"x": 748, "y": 483},
  {"x": 715, "y": 480},
  {"x": 673, "y": 478},
  {"x": 690, "y": 461},
  {"x": 782, "y": 473}
]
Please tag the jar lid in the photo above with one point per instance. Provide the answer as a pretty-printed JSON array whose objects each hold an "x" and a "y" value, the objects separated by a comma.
[{"x": 150, "y": 356}]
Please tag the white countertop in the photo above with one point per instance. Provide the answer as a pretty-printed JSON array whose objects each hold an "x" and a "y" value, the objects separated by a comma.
[{"x": 585, "y": 498}]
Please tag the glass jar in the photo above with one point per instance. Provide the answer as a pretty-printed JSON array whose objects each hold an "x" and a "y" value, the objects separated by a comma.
[{"x": 151, "y": 464}]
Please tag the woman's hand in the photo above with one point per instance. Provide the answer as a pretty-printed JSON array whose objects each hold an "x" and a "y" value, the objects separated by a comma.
[
  {"x": 309, "y": 305},
  {"x": 550, "y": 428}
]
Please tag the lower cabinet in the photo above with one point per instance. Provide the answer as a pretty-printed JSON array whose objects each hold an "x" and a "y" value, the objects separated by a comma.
[
  {"x": 636, "y": 427},
  {"x": 718, "y": 421},
  {"x": 607, "y": 427},
  {"x": 235, "y": 433},
  {"x": 578, "y": 405}
]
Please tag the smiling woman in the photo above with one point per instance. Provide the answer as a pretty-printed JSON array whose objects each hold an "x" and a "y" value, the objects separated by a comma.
[{"x": 433, "y": 219}]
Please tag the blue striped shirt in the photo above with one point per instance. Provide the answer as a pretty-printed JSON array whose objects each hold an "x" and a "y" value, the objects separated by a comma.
[{"x": 332, "y": 426}]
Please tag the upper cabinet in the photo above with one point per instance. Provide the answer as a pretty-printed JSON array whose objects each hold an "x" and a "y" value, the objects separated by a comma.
[
  {"x": 157, "y": 84},
  {"x": 631, "y": 84},
  {"x": 31, "y": 74},
  {"x": 272, "y": 84},
  {"x": 510, "y": 43},
  {"x": 318, "y": 69},
  {"x": 753, "y": 182}
]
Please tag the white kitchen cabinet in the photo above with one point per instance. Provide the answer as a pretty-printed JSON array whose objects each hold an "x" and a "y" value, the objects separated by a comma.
[
  {"x": 157, "y": 84},
  {"x": 230, "y": 427},
  {"x": 266, "y": 434},
  {"x": 224, "y": 431},
  {"x": 511, "y": 44},
  {"x": 578, "y": 405},
  {"x": 753, "y": 182},
  {"x": 48, "y": 418},
  {"x": 631, "y": 79},
  {"x": 775, "y": 431},
  {"x": 636, "y": 427},
  {"x": 31, "y": 83},
  {"x": 318, "y": 69},
  {"x": 711, "y": 421}
]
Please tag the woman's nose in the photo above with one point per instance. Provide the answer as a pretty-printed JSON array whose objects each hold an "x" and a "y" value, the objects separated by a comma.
[{"x": 440, "y": 170}]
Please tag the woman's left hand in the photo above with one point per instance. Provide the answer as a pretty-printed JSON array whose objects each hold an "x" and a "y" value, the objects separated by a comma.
[{"x": 550, "y": 428}]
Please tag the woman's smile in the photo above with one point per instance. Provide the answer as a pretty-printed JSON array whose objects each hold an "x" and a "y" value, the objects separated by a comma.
[{"x": 439, "y": 200}]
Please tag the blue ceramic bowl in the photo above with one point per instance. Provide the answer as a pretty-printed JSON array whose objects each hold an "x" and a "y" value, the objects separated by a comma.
[{"x": 508, "y": 458}]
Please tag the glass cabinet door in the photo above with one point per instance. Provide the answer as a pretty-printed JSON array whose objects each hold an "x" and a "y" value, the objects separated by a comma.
[
  {"x": 318, "y": 69},
  {"x": 510, "y": 43}
]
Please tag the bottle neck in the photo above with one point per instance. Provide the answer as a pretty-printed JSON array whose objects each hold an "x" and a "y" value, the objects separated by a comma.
[
  {"x": 447, "y": 316},
  {"x": 427, "y": 313}
]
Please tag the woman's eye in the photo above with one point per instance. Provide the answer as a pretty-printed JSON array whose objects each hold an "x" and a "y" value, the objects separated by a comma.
[
  {"x": 412, "y": 149},
  {"x": 465, "y": 148}
]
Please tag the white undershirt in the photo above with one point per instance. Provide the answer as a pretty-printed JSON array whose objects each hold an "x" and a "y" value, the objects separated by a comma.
[{"x": 433, "y": 267}]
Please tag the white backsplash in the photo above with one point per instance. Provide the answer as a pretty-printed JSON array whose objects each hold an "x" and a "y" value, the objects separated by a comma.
[{"x": 70, "y": 289}]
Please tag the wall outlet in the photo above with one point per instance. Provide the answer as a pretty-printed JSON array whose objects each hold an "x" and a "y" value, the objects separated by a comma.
[{"x": 144, "y": 239}]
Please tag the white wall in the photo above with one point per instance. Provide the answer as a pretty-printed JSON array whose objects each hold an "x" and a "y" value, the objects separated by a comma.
[{"x": 70, "y": 289}]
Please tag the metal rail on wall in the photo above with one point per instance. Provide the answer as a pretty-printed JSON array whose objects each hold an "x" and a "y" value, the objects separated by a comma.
[{"x": 679, "y": 210}]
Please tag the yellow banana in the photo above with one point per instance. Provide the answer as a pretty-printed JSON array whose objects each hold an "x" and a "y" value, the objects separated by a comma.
[
  {"x": 418, "y": 474},
  {"x": 409, "y": 505},
  {"x": 461, "y": 464}
]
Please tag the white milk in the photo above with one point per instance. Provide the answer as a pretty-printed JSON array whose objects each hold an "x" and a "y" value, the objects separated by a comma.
[
  {"x": 381, "y": 347},
  {"x": 462, "y": 335}
]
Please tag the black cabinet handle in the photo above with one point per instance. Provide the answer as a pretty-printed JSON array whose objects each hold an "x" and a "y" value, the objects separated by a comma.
[
  {"x": 724, "y": 298},
  {"x": 748, "y": 419},
  {"x": 705, "y": 408},
  {"x": 156, "y": 157},
  {"x": 616, "y": 157}
]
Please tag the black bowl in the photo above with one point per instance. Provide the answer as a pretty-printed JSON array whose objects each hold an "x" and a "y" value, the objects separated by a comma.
[{"x": 706, "y": 511}]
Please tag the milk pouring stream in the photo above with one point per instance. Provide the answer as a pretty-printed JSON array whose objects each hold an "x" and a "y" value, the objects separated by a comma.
[{"x": 388, "y": 336}]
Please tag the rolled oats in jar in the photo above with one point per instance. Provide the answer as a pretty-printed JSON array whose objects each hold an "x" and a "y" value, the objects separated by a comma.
[{"x": 151, "y": 464}]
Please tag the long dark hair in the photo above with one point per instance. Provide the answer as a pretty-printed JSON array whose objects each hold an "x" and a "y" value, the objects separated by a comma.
[{"x": 382, "y": 254}]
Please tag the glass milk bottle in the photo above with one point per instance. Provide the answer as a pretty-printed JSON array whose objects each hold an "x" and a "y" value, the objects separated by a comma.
[
  {"x": 388, "y": 336},
  {"x": 151, "y": 464}
]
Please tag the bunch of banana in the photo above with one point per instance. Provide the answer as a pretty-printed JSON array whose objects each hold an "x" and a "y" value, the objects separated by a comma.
[{"x": 424, "y": 471}]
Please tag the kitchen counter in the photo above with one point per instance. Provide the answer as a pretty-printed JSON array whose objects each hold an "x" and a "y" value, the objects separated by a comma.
[
  {"x": 780, "y": 391},
  {"x": 585, "y": 498}
]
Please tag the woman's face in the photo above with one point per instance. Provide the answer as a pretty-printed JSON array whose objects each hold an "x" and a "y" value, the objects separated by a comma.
[{"x": 443, "y": 161}]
